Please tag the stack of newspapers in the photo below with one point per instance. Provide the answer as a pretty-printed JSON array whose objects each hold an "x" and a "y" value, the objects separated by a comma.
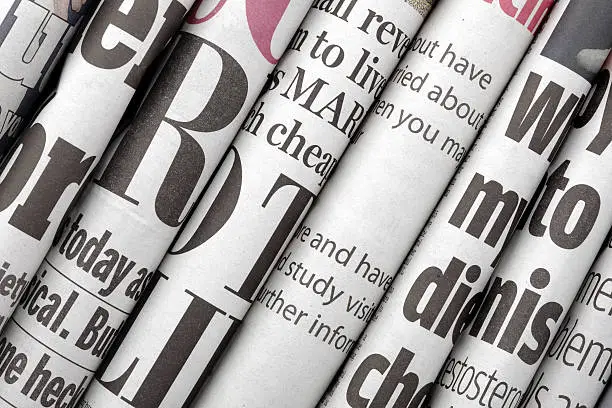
[{"x": 305, "y": 204}]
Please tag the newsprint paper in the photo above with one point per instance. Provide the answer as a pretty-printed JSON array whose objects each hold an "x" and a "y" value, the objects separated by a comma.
[
  {"x": 605, "y": 400},
  {"x": 440, "y": 286},
  {"x": 53, "y": 160},
  {"x": 117, "y": 235},
  {"x": 325, "y": 287},
  {"x": 34, "y": 35},
  {"x": 537, "y": 278},
  {"x": 336, "y": 64},
  {"x": 577, "y": 364}
]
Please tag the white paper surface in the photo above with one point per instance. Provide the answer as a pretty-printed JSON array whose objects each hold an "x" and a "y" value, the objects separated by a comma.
[
  {"x": 34, "y": 35},
  {"x": 439, "y": 284},
  {"x": 123, "y": 225},
  {"x": 288, "y": 146},
  {"x": 605, "y": 400},
  {"x": 577, "y": 364},
  {"x": 43, "y": 176},
  {"x": 349, "y": 247},
  {"x": 541, "y": 271}
]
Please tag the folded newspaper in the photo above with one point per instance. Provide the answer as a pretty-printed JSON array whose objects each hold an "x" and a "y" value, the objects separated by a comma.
[
  {"x": 577, "y": 364},
  {"x": 538, "y": 277},
  {"x": 54, "y": 159},
  {"x": 287, "y": 148},
  {"x": 208, "y": 82},
  {"x": 326, "y": 286},
  {"x": 34, "y": 36},
  {"x": 329, "y": 268},
  {"x": 440, "y": 285}
]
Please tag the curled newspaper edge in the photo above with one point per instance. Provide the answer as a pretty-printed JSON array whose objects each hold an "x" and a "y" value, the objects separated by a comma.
[
  {"x": 327, "y": 284},
  {"x": 577, "y": 364},
  {"x": 42, "y": 177},
  {"x": 605, "y": 399},
  {"x": 287, "y": 148},
  {"x": 440, "y": 284},
  {"x": 118, "y": 233},
  {"x": 34, "y": 36},
  {"x": 536, "y": 280}
]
